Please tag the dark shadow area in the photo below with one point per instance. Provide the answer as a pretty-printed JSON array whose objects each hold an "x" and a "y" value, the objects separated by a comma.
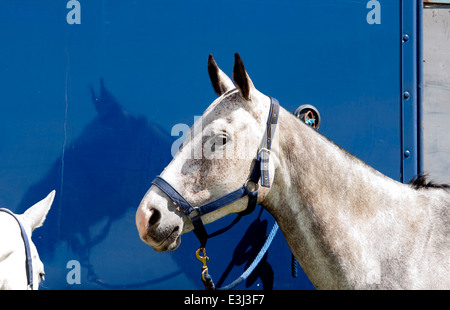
[{"x": 102, "y": 173}]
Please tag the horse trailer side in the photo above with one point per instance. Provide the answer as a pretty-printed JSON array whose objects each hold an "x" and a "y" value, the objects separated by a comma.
[{"x": 96, "y": 94}]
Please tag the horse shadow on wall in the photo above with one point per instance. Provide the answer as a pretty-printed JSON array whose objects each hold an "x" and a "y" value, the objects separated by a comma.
[{"x": 104, "y": 172}]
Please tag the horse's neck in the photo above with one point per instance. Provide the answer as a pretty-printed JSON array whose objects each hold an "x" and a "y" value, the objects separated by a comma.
[
  {"x": 323, "y": 198},
  {"x": 322, "y": 170}
]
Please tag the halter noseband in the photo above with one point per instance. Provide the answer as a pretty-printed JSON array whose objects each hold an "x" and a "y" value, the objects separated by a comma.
[
  {"x": 260, "y": 171},
  {"x": 28, "y": 259}
]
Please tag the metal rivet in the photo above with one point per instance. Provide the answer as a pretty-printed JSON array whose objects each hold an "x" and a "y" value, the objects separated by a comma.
[
  {"x": 405, "y": 37},
  {"x": 407, "y": 153},
  {"x": 406, "y": 95}
]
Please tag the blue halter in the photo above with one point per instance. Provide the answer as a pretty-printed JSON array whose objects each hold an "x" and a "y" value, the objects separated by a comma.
[
  {"x": 260, "y": 171},
  {"x": 28, "y": 259}
]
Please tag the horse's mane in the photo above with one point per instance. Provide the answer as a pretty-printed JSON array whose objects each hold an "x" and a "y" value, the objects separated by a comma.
[{"x": 422, "y": 182}]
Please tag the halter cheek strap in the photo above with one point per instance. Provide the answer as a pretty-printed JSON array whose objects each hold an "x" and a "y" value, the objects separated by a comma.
[
  {"x": 28, "y": 260},
  {"x": 264, "y": 151},
  {"x": 260, "y": 171}
]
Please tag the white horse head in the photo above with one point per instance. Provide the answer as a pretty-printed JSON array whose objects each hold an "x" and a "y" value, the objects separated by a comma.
[
  {"x": 12, "y": 251},
  {"x": 215, "y": 159}
]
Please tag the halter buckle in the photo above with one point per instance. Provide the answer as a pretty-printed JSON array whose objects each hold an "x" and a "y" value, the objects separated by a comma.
[
  {"x": 263, "y": 149},
  {"x": 254, "y": 191}
]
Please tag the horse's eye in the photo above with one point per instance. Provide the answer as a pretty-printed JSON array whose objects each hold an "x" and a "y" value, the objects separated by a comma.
[{"x": 218, "y": 142}]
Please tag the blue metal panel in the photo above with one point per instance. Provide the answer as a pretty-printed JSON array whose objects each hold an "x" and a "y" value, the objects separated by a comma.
[
  {"x": 409, "y": 89},
  {"x": 87, "y": 109},
  {"x": 420, "y": 86}
]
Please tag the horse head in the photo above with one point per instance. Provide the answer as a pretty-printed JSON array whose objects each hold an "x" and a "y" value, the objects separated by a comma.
[
  {"x": 13, "y": 269},
  {"x": 216, "y": 158}
]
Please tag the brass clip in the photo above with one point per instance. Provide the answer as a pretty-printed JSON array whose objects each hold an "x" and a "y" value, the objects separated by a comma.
[{"x": 203, "y": 259}]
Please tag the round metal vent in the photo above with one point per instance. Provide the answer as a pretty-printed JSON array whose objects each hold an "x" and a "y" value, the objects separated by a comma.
[{"x": 308, "y": 114}]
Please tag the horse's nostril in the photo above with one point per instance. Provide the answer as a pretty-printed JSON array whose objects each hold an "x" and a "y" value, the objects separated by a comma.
[{"x": 154, "y": 218}]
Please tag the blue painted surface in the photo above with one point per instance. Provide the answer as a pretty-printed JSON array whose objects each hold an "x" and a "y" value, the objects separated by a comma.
[
  {"x": 87, "y": 109},
  {"x": 411, "y": 111}
]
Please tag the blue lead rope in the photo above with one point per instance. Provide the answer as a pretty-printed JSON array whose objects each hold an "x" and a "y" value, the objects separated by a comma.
[{"x": 255, "y": 262}]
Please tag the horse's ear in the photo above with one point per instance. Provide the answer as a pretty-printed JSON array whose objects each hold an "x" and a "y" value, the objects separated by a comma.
[
  {"x": 220, "y": 81},
  {"x": 35, "y": 215},
  {"x": 241, "y": 78}
]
